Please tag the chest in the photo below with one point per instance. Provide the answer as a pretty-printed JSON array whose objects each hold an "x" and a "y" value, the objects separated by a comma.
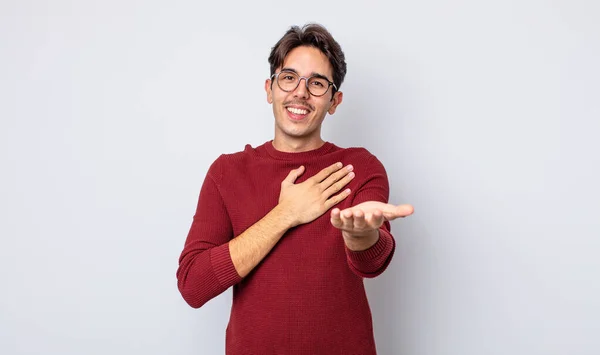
[{"x": 250, "y": 193}]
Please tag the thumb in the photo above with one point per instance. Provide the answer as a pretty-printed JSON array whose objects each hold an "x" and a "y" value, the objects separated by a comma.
[
  {"x": 293, "y": 175},
  {"x": 392, "y": 212}
]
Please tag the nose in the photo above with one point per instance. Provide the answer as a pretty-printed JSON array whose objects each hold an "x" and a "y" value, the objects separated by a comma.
[{"x": 302, "y": 89}]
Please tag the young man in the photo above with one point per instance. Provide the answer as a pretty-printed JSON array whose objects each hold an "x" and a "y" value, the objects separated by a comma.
[{"x": 295, "y": 224}]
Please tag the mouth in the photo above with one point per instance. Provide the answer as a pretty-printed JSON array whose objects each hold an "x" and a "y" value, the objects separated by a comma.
[{"x": 297, "y": 113}]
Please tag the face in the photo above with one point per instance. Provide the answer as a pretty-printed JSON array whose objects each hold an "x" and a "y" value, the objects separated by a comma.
[{"x": 298, "y": 114}]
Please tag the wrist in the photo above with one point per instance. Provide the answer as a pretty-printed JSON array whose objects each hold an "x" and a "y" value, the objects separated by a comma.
[
  {"x": 283, "y": 216},
  {"x": 362, "y": 241}
]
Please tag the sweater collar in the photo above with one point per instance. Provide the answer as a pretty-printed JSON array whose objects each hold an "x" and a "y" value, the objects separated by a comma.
[{"x": 326, "y": 147}]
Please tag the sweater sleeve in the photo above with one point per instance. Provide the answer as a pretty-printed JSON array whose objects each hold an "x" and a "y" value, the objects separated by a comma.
[
  {"x": 373, "y": 261},
  {"x": 205, "y": 266}
]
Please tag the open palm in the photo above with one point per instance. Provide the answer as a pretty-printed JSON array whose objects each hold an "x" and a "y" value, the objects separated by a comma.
[{"x": 367, "y": 216}]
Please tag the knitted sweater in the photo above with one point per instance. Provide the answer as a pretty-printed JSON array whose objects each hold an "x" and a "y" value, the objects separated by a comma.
[{"x": 307, "y": 295}]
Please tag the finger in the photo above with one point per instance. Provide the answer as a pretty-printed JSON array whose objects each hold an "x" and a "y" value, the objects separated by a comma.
[
  {"x": 359, "y": 221},
  {"x": 376, "y": 219},
  {"x": 347, "y": 217},
  {"x": 293, "y": 175},
  {"x": 336, "y": 221},
  {"x": 337, "y": 186},
  {"x": 323, "y": 174},
  {"x": 336, "y": 176},
  {"x": 334, "y": 200}
]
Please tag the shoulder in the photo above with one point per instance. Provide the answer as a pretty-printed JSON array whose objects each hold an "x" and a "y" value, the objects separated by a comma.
[
  {"x": 227, "y": 162},
  {"x": 361, "y": 155}
]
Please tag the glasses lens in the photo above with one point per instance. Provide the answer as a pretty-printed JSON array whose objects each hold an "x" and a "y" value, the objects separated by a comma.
[
  {"x": 287, "y": 81},
  {"x": 318, "y": 86}
]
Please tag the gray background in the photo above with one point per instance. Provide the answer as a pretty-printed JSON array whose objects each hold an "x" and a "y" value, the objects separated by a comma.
[{"x": 485, "y": 114}]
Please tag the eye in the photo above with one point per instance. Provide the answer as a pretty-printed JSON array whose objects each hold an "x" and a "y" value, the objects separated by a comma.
[
  {"x": 287, "y": 77},
  {"x": 320, "y": 83}
]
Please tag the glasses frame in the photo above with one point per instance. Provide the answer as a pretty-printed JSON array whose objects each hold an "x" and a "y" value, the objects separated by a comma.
[{"x": 276, "y": 77}]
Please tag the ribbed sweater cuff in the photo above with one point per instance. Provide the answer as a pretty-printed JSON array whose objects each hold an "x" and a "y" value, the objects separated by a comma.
[
  {"x": 223, "y": 267},
  {"x": 373, "y": 261}
]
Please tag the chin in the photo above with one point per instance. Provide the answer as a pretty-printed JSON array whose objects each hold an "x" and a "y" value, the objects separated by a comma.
[{"x": 294, "y": 133}]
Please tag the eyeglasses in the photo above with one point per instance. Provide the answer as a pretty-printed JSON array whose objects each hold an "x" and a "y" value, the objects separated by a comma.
[{"x": 317, "y": 85}]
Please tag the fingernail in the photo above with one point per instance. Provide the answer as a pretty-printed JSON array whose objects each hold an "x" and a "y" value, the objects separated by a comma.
[
  {"x": 350, "y": 167},
  {"x": 351, "y": 175},
  {"x": 339, "y": 165}
]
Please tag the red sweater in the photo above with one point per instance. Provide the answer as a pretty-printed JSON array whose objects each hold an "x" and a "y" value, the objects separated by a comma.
[{"x": 307, "y": 295}]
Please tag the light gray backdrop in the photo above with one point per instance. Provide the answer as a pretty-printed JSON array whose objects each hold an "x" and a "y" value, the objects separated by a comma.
[{"x": 485, "y": 113}]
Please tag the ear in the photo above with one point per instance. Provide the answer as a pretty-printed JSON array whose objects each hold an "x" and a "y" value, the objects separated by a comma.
[
  {"x": 335, "y": 101},
  {"x": 269, "y": 91}
]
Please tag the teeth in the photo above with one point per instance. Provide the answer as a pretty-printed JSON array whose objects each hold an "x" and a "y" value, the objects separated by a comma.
[{"x": 297, "y": 111}]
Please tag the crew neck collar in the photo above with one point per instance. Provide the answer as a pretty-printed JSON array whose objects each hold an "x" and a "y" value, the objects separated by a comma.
[{"x": 277, "y": 154}]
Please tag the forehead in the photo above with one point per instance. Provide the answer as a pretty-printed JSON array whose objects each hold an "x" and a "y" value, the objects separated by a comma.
[{"x": 307, "y": 61}]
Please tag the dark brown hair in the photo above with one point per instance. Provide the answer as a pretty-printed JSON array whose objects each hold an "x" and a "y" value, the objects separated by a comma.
[{"x": 313, "y": 35}]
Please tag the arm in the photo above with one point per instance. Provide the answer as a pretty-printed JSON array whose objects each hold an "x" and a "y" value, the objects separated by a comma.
[
  {"x": 212, "y": 261},
  {"x": 205, "y": 266},
  {"x": 365, "y": 227}
]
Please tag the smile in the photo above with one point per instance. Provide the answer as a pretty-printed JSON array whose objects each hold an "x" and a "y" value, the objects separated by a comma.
[{"x": 297, "y": 111}]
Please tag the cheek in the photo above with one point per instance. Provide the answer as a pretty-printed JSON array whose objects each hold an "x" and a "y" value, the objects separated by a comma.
[
  {"x": 325, "y": 106},
  {"x": 278, "y": 97}
]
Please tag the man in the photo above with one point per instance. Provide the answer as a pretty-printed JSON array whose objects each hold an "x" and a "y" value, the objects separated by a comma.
[{"x": 295, "y": 224}]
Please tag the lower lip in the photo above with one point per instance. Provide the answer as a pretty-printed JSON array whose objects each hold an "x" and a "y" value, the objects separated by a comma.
[{"x": 295, "y": 117}]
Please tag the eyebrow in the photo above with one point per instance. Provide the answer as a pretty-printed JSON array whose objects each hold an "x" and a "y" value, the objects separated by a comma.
[{"x": 315, "y": 74}]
